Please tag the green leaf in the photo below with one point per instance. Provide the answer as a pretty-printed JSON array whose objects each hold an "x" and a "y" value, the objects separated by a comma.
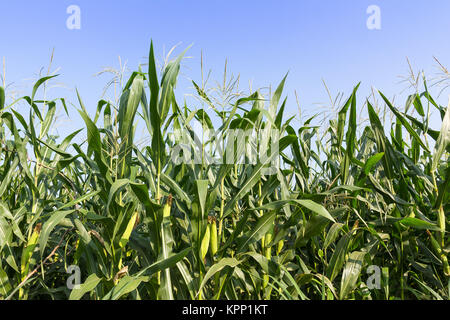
[
  {"x": 94, "y": 142},
  {"x": 2, "y": 98},
  {"x": 124, "y": 286},
  {"x": 126, "y": 234},
  {"x": 404, "y": 122},
  {"x": 128, "y": 108},
  {"x": 261, "y": 228},
  {"x": 255, "y": 175},
  {"x": 309, "y": 204},
  {"x": 202, "y": 191},
  {"x": 332, "y": 234},
  {"x": 163, "y": 264},
  {"x": 175, "y": 188},
  {"x": 87, "y": 196},
  {"x": 443, "y": 140},
  {"x": 5, "y": 285},
  {"x": 217, "y": 267},
  {"x": 350, "y": 138},
  {"x": 338, "y": 257},
  {"x": 418, "y": 105},
  {"x": 351, "y": 273},
  {"x": 372, "y": 161},
  {"x": 91, "y": 282},
  {"x": 39, "y": 83},
  {"x": 49, "y": 117},
  {"x": 49, "y": 225},
  {"x": 418, "y": 224}
]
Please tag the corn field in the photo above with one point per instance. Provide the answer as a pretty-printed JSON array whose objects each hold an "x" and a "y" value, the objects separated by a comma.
[{"x": 349, "y": 211}]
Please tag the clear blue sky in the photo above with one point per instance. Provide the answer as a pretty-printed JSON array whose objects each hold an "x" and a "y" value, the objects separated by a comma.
[{"x": 262, "y": 40}]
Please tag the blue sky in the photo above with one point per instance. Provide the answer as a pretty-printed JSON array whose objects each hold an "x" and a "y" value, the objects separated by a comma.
[{"x": 262, "y": 40}]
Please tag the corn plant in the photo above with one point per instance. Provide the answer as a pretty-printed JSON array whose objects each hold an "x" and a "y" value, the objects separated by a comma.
[{"x": 140, "y": 223}]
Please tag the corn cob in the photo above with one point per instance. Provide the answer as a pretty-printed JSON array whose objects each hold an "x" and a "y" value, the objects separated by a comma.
[{"x": 213, "y": 235}]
